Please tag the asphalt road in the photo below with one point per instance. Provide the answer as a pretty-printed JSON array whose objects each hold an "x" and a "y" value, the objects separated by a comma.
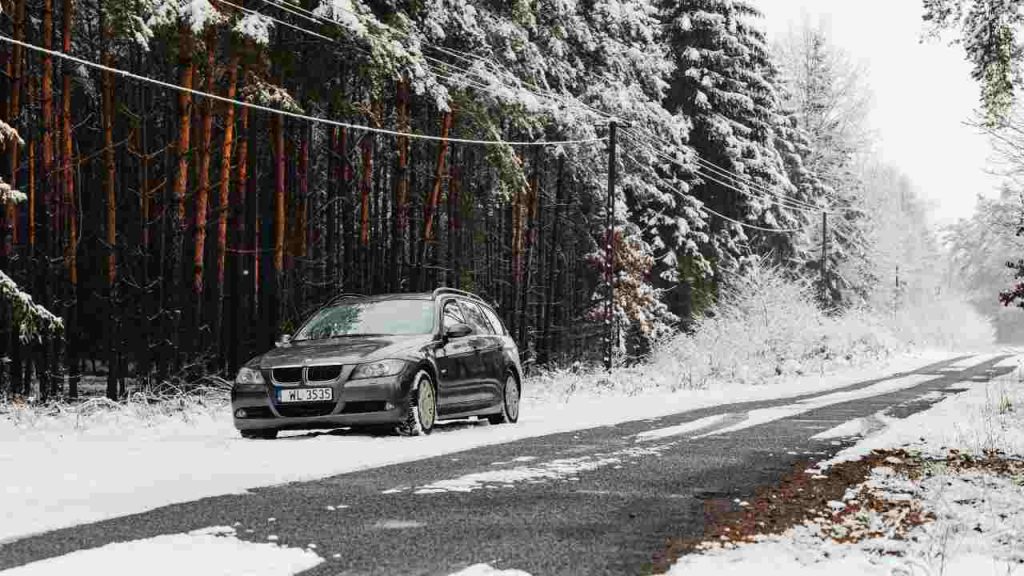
[{"x": 597, "y": 501}]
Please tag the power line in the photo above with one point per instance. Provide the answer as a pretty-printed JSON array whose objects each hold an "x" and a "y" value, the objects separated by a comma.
[
  {"x": 295, "y": 115},
  {"x": 439, "y": 69},
  {"x": 748, "y": 225},
  {"x": 707, "y": 210},
  {"x": 704, "y": 173},
  {"x": 783, "y": 200},
  {"x": 793, "y": 203},
  {"x": 466, "y": 57},
  {"x": 275, "y": 20}
]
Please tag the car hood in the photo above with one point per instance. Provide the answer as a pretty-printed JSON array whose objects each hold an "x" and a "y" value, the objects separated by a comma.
[{"x": 347, "y": 350}]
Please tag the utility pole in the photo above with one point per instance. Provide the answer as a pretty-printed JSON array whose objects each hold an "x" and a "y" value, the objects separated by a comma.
[
  {"x": 824, "y": 257},
  {"x": 610, "y": 249},
  {"x": 896, "y": 296}
]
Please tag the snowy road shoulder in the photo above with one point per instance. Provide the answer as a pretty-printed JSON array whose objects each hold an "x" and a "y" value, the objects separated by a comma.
[{"x": 941, "y": 492}]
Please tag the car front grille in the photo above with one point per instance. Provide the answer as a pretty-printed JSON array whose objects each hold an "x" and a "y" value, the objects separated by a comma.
[
  {"x": 307, "y": 410},
  {"x": 323, "y": 373},
  {"x": 288, "y": 375}
]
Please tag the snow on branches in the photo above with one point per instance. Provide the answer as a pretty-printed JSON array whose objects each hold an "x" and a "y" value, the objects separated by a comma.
[
  {"x": 198, "y": 15},
  {"x": 31, "y": 319},
  {"x": 259, "y": 91},
  {"x": 255, "y": 27},
  {"x": 9, "y": 135},
  {"x": 8, "y": 194}
]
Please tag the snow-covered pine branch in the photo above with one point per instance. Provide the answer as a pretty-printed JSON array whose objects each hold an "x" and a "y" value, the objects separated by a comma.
[
  {"x": 8, "y": 135},
  {"x": 31, "y": 319},
  {"x": 8, "y": 194}
]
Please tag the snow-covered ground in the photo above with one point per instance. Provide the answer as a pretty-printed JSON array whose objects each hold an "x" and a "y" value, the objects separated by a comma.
[
  {"x": 976, "y": 524},
  {"x": 214, "y": 550},
  {"x": 68, "y": 469}
]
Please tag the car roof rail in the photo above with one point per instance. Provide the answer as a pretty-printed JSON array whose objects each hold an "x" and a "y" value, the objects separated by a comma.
[
  {"x": 344, "y": 295},
  {"x": 457, "y": 292}
]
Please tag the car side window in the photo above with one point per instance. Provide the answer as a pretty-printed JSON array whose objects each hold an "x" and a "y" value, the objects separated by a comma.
[
  {"x": 499, "y": 328},
  {"x": 476, "y": 318},
  {"x": 452, "y": 314}
]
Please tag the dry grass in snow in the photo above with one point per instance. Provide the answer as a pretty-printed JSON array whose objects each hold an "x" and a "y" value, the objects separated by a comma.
[{"x": 941, "y": 492}]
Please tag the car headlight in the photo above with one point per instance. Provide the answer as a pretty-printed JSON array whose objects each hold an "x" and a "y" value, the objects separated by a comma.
[
  {"x": 249, "y": 377},
  {"x": 377, "y": 369}
]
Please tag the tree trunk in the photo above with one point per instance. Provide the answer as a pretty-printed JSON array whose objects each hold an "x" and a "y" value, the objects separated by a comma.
[
  {"x": 400, "y": 217},
  {"x": 279, "y": 194},
  {"x": 46, "y": 96},
  {"x": 203, "y": 178},
  {"x": 430, "y": 209},
  {"x": 68, "y": 150},
  {"x": 553, "y": 278},
  {"x": 17, "y": 66},
  {"x": 110, "y": 188},
  {"x": 224, "y": 193},
  {"x": 69, "y": 199},
  {"x": 32, "y": 197},
  {"x": 178, "y": 222}
]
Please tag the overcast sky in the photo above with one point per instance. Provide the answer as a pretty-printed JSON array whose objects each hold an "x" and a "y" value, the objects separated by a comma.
[{"x": 922, "y": 94}]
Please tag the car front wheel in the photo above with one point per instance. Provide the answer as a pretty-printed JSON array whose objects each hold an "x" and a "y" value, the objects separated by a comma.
[
  {"x": 510, "y": 395},
  {"x": 422, "y": 413}
]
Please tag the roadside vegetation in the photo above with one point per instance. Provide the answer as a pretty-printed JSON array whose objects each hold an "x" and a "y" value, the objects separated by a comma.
[{"x": 939, "y": 492}]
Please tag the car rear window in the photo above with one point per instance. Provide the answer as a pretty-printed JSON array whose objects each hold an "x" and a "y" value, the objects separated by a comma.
[
  {"x": 382, "y": 317},
  {"x": 476, "y": 318},
  {"x": 499, "y": 328},
  {"x": 452, "y": 314}
]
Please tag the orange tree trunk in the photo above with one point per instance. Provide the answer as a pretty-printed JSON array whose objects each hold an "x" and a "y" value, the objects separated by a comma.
[
  {"x": 225, "y": 177},
  {"x": 303, "y": 248},
  {"x": 279, "y": 195},
  {"x": 184, "y": 132},
  {"x": 179, "y": 189},
  {"x": 203, "y": 184},
  {"x": 32, "y": 196},
  {"x": 68, "y": 152},
  {"x": 364, "y": 189},
  {"x": 46, "y": 95},
  {"x": 17, "y": 57},
  {"x": 435, "y": 193},
  {"x": 110, "y": 172},
  {"x": 401, "y": 209},
  {"x": 243, "y": 203}
]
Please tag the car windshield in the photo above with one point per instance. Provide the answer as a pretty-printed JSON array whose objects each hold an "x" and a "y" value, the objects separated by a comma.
[{"x": 383, "y": 317}]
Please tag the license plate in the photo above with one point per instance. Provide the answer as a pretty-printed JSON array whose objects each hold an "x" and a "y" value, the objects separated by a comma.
[{"x": 305, "y": 395}]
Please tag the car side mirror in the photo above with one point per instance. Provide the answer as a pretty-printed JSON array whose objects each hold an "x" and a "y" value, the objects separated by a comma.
[
  {"x": 284, "y": 340},
  {"x": 457, "y": 330}
]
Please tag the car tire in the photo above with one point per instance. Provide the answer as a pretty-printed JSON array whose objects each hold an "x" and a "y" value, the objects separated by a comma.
[
  {"x": 422, "y": 413},
  {"x": 259, "y": 434},
  {"x": 510, "y": 394}
]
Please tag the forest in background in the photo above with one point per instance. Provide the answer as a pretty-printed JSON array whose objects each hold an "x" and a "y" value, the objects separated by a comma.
[{"x": 176, "y": 235}]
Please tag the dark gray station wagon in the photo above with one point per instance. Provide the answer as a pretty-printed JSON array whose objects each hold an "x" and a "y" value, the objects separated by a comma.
[{"x": 401, "y": 361}]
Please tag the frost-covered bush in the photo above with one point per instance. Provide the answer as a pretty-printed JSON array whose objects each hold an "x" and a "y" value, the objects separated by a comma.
[
  {"x": 767, "y": 325},
  {"x": 947, "y": 322}
]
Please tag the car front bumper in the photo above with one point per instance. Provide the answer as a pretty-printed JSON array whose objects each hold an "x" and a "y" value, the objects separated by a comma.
[{"x": 373, "y": 401}]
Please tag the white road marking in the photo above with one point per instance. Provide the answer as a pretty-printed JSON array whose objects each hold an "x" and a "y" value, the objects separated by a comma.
[
  {"x": 488, "y": 570},
  {"x": 971, "y": 362},
  {"x": 560, "y": 469},
  {"x": 766, "y": 415},
  {"x": 1011, "y": 362},
  {"x": 685, "y": 428},
  {"x": 855, "y": 427}
]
